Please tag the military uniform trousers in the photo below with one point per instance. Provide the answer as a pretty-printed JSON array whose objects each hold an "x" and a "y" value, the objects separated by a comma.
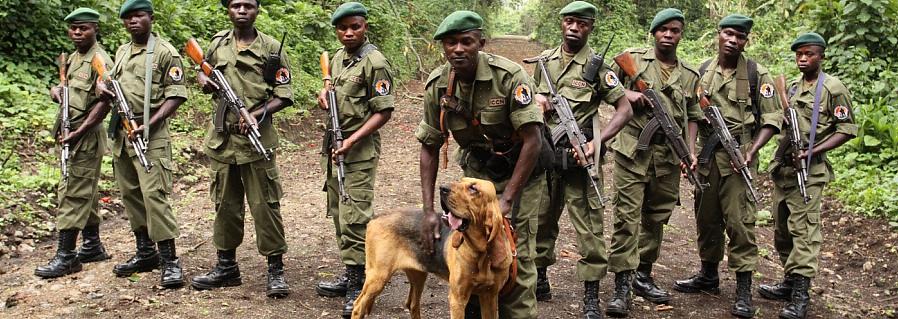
[
  {"x": 521, "y": 301},
  {"x": 351, "y": 217},
  {"x": 260, "y": 182},
  {"x": 145, "y": 194},
  {"x": 798, "y": 233},
  {"x": 79, "y": 194},
  {"x": 642, "y": 207},
  {"x": 725, "y": 206},
  {"x": 571, "y": 188}
]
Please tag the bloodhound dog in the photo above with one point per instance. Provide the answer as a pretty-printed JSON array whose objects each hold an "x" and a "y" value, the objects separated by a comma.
[{"x": 475, "y": 252}]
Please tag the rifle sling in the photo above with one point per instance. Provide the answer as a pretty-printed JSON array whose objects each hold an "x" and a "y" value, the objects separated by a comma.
[
  {"x": 148, "y": 87},
  {"x": 815, "y": 115}
]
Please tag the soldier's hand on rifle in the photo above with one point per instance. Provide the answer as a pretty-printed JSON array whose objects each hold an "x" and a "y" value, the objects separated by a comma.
[
  {"x": 344, "y": 148},
  {"x": 637, "y": 98},
  {"x": 429, "y": 231},
  {"x": 135, "y": 133},
  {"x": 589, "y": 149},
  {"x": 685, "y": 170},
  {"x": 103, "y": 91},
  {"x": 543, "y": 103},
  {"x": 56, "y": 93},
  {"x": 73, "y": 135},
  {"x": 245, "y": 127},
  {"x": 322, "y": 99},
  {"x": 206, "y": 83}
]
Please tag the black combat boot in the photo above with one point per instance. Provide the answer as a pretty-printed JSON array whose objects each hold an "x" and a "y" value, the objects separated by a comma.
[
  {"x": 92, "y": 249},
  {"x": 336, "y": 288},
  {"x": 145, "y": 259},
  {"x": 781, "y": 291},
  {"x": 356, "y": 275},
  {"x": 543, "y": 289},
  {"x": 743, "y": 308},
  {"x": 797, "y": 308},
  {"x": 705, "y": 281},
  {"x": 277, "y": 283},
  {"x": 644, "y": 286},
  {"x": 619, "y": 306},
  {"x": 591, "y": 309},
  {"x": 171, "y": 275},
  {"x": 225, "y": 274},
  {"x": 66, "y": 259}
]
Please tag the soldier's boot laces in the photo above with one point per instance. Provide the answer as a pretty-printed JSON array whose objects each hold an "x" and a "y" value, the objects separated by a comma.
[
  {"x": 92, "y": 249},
  {"x": 66, "y": 259},
  {"x": 781, "y": 291},
  {"x": 171, "y": 275},
  {"x": 225, "y": 274},
  {"x": 335, "y": 288},
  {"x": 645, "y": 287},
  {"x": 356, "y": 277},
  {"x": 543, "y": 289},
  {"x": 277, "y": 282},
  {"x": 619, "y": 306},
  {"x": 797, "y": 308},
  {"x": 706, "y": 281},
  {"x": 145, "y": 259},
  {"x": 591, "y": 308},
  {"x": 743, "y": 307}
]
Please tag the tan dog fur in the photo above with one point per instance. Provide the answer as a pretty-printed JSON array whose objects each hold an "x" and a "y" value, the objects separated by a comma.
[{"x": 477, "y": 259}]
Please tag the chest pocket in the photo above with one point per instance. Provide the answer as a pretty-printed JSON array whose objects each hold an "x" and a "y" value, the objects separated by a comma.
[
  {"x": 679, "y": 100},
  {"x": 352, "y": 94},
  {"x": 80, "y": 94},
  {"x": 495, "y": 122}
]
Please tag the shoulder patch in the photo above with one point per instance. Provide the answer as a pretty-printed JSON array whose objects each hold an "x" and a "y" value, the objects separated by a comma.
[
  {"x": 282, "y": 76},
  {"x": 382, "y": 87},
  {"x": 767, "y": 90},
  {"x": 841, "y": 112},
  {"x": 175, "y": 73},
  {"x": 522, "y": 94},
  {"x": 611, "y": 79}
]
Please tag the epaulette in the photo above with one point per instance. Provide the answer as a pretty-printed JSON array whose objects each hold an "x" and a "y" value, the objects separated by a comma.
[
  {"x": 637, "y": 50},
  {"x": 378, "y": 60},
  {"x": 434, "y": 75},
  {"x": 503, "y": 63},
  {"x": 691, "y": 68},
  {"x": 834, "y": 85},
  {"x": 221, "y": 34},
  {"x": 168, "y": 46}
]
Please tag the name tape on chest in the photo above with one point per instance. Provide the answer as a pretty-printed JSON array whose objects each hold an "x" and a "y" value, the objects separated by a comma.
[
  {"x": 767, "y": 90},
  {"x": 579, "y": 84},
  {"x": 611, "y": 79},
  {"x": 82, "y": 75},
  {"x": 522, "y": 94},
  {"x": 354, "y": 79},
  {"x": 497, "y": 101}
]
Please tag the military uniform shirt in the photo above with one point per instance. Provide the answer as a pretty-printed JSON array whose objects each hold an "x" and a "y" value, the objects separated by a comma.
[
  {"x": 500, "y": 98},
  {"x": 82, "y": 81},
  {"x": 567, "y": 75},
  {"x": 168, "y": 82},
  {"x": 678, "y": 96},
  {"x": 362, "y": 89},
  {"x": 242, "y": 67},
  {"x": 835, "y": 116},
  {"x": 739, "y": 121}
]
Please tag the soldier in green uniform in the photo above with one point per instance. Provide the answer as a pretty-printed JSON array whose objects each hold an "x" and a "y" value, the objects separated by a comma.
[
  {"x": 568, "y": 182},
  {"x": 363, "y": 82},
  {"x": 78, "y": 196},
  {"x": 145, "y": 193},
  {"x": 752, "y": 115},
  {"x": 498, "y": 128},
  {"x": 648, "y": 181},
  {"x": 238, "y": 170},
  {"x": 798, "y": 230}
]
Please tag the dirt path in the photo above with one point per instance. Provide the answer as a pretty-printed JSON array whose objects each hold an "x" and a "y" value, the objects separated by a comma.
[{"x": 858, "y": 277}]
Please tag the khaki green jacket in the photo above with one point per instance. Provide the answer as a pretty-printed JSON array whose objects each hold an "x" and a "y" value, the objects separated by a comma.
[
  {"x": 82, "y": 80},
  {"x": 243, "y": 68}
]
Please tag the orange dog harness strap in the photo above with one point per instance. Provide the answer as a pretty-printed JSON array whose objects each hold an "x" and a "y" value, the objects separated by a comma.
[{"x": 513, "y": 272}]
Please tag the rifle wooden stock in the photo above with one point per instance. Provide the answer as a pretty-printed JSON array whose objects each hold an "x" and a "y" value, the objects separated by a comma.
[
  {"x": 62, "y": 70},
  {"x": 628, "y": 66},
  {"x": 780, "y": 85},
  {"x": 99, "y": 66},
  {"x": 196, "y": 54},
  {"x": 793, "y": 132},
  {"x": 446, "y": 102},
  {"x": 325, "y": 63}
]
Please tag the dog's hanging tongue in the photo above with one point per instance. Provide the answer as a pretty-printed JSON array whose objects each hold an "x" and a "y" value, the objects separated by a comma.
[{"x": 454, "y": 222}]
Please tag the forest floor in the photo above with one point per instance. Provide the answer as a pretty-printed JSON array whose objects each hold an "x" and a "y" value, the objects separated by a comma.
[{"x": 857, "y": 278}]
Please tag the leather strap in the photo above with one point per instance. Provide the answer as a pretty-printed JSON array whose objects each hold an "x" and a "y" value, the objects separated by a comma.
[{"x": 512, "y": 239}]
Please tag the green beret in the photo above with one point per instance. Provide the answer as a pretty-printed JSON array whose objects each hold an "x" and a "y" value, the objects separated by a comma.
[
  {"x": 580, "y": 9},
  {"x": 83, "y": 15},
  {"x": 666, "y": 15},
  {"x": 810, "y": 38},
  {"x": 135, "y": 5},
  {"x": 458, "y": 22},
  {"x": 348, "y": 9},
  {"x": 225, "y": 3},
  {"x": 738, "y": 22}
]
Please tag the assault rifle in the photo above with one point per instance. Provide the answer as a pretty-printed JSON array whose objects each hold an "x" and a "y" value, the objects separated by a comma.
[
  {"x": 660, "y": 119},
  {"x": 129, "y": 121},
  {"x": 226, "y": 94},
  {"x": 795, "y": 140},
  {"x": 65, "y": 120},
  {"x": 336, "y": 132},
  {"x": 712, "y": 114},
  {"x": 567, "y": 124}
]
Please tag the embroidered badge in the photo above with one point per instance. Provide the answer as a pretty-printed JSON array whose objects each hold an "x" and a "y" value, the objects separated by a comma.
[
  {"x": 522, "y": 94},
  {"x": 611, "y": 79},
  {"x": 841, "y": 112},
  {"x": 767, "y": 90},
  {"x": 175, "y": 73},
  {"x": 355, "y": 79},
  {"x": 282, "y": 76},
  {"x": 382, "y": 87},
  {"x": 578, "y": 84},
  {"x": 497, "y": 101}
]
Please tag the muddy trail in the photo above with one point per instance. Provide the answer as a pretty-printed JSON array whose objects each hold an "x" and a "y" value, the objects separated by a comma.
[{"x": 857, "y": 277}]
